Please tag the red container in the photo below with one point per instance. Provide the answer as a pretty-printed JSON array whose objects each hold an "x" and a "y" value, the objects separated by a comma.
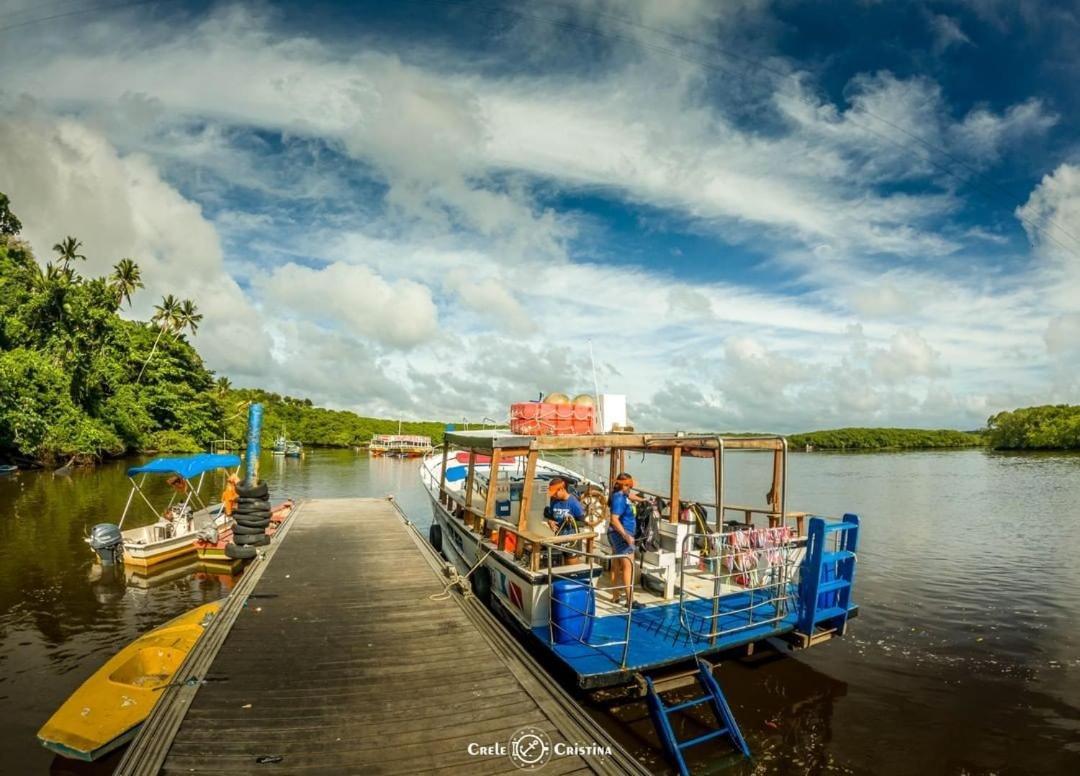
[{"x": 538, "y": 418}]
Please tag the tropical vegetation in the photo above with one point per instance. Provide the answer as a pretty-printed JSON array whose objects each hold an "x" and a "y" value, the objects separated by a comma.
[
  {"x": 885, "y": 439},
  {"x": 1049, "y": 427}
]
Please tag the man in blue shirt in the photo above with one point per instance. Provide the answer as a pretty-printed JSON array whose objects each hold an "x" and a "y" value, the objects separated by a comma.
[{"x": 565, "y": 512}]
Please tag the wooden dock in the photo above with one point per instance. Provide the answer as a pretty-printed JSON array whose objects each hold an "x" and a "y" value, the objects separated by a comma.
[{"x": 337, "y": 653}]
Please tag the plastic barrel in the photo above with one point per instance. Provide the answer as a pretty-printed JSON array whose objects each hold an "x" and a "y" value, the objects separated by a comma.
[{"x": 573, "y": 607}]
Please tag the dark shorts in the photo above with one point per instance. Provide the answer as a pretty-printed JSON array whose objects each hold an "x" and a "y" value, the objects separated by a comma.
[{"x": 618, "y": 544}]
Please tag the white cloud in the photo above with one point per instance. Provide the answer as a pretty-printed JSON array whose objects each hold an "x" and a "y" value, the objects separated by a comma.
[
  {"x": 399, "y": 313},
  {"x": 946, "y": 31},
  {"x": 65, "y": 178}
]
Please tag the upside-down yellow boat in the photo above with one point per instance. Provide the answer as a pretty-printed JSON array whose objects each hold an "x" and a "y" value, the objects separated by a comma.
[{"x": 107, "y": 710}]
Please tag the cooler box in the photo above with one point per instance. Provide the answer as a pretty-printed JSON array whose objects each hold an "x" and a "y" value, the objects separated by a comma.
[{"x": 573, "y": 607}]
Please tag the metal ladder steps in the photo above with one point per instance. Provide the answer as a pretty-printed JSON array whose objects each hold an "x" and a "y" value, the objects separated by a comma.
[
  {"x": 703, "y": 738},
  {"x": 831, "y": 613},
  {"x": 833, "y": 586},
  {"x": 836, "y": 557}
]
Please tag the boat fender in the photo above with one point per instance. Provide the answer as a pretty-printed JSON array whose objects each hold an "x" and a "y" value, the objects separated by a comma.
[
  {"x": 435, "y": 537},
  {"x": 245, "y": 530},
  {"x": 253, "y": 522},
  {"x": 253, "y": 504},
  {"x": 240, "y": 552},
  {"x": 256, "y": 540},
  {"x": 481, "y": 584},
  {"x": 246, "y": 490}
]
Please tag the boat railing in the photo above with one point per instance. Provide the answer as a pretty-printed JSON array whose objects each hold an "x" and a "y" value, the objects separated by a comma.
[
  {"x": 738, "y": 579},
  {"x": 574, "y": 624}
]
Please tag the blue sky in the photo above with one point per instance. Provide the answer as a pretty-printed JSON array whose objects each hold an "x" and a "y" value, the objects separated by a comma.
[{"x": 767, "y": 215}]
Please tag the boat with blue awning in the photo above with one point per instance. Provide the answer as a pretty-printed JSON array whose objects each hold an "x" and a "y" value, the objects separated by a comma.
[{"x": 187, "y": 515}]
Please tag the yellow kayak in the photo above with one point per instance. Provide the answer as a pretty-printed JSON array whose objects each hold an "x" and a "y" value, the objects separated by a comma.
[{"x": 107, "y": 710}]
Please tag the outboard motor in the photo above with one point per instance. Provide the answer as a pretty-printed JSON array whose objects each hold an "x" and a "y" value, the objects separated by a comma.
[{"x": 106, "y": 541}]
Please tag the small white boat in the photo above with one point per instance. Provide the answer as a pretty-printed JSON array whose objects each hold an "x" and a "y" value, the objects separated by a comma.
[{"x": 178, "y": 524}]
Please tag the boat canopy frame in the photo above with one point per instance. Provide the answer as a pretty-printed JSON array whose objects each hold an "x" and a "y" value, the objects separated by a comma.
[
  {"x": 502, "y": 446},
  {"x": 185, "y": 469}
]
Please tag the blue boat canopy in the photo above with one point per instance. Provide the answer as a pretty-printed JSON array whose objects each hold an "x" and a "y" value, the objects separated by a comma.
[{"x": 188, "y": 467}]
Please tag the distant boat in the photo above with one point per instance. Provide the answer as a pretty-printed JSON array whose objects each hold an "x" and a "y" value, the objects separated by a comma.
[
  {"x": 281, "y": 443},
  {"x": 294, "y": 449},
  {"x": 400, "y": 446},
  {"x": 8, "y": 469},
  {"x": 109, "y": 707}
]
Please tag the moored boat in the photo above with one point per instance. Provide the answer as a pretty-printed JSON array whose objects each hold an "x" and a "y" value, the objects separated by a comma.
[
  {"x": 108, "y": 708},
  {"x": 8, "y": 468},
  {"x": 400, "y": 445},
  {"x": 691, "y": 584},
  {"x": 178, "y": 523}
]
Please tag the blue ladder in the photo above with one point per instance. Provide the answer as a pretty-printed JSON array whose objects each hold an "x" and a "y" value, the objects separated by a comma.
[
  {"x": 827, "y": 576},
  {"x": 661, "y": 713}
]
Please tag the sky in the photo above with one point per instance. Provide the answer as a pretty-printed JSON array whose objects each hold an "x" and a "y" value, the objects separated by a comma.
[{"x": 748, "y": 215}]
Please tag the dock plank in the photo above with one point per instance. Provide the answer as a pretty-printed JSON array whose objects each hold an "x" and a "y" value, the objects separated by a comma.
[{"x": 347, "y": 656}]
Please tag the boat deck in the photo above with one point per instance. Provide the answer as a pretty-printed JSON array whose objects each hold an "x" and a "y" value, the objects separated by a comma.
[{"x": 335, "y": 653}]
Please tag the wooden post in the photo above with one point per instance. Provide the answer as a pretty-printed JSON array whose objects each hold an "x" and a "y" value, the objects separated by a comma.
[
  {"x": 526, "y": 499},
  {"x": 676, "y": 476},
  {"x": 442, "y": 475},
  {"x": 613, "y": 470},
  {"x": 777, "y": 479},
  {"x": 493, "y": 487},
  {"x": 469, "y": 482},
  {"x": 718, "y": 481}
]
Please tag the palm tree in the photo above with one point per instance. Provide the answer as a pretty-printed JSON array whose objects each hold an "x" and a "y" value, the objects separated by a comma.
[
  {"x": 166, "y": 318},
  {"x": 125, "y": 279},
  {"x": 188, "y": 317},
  {"x": 224, "y": 384},
  {"x": 68, "y": 250}
]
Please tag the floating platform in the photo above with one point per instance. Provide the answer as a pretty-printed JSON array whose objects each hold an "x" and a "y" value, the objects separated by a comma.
[{"x": 340, "y": 652}]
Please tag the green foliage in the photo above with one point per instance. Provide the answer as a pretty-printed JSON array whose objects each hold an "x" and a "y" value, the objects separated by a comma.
[
  {"x": 9, "y": 224},
  {"x": 172, "y": 442},
  {"x": 1049, "y": 427},
  {"x": 72, "y": 379},
  {"x": 885, "y": 439},
  {"x": 312, "y": 425}
]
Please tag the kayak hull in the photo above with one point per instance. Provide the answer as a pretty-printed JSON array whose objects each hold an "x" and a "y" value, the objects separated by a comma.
[{"x": 109, "y": 707}]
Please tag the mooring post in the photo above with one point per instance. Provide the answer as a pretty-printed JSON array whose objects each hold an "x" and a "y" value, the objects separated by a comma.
[{"x": 254, "y": 447}]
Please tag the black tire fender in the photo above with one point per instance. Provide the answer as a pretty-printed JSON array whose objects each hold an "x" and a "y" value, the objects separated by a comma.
[
  {"x": 247, "y": 490},
  {"x": 253, "y": 522},
  {"x": 240, "y": 552},
  {"x": 256, "y": 540},
  {"x": 254, "y": 504},
  {"x": 435, "y": 537},
  {"x": 247, "y": 530},
  {"x": 481, "y": 584}
]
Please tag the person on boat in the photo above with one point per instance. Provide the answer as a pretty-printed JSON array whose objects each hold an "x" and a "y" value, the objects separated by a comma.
[
  {"x": 621, "y": 528},
  {"x": 565, "y": 512}
]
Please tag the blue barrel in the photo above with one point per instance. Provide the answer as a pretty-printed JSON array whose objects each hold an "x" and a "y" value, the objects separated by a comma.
[{"x": 573, "y": 606}]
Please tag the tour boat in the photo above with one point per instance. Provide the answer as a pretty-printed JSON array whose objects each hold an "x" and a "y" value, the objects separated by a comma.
[
  {"x": 400, "y": 445},
  {"x": 107, "y": 710},
  {"x": 178, "y": 523},
  {"x": 702, "y": 584}
]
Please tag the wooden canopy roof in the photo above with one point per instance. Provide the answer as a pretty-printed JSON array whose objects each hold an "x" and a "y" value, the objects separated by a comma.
[{"x": 488, "y": 441}]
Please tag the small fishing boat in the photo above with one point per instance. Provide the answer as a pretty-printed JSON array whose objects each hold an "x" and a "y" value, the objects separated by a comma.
[
  {"x": 107, "y": 710},
  {"x": 178, "y": 523},
  {"x": 294, "y": 449},
  {"x": 280, "y": 444},
  {"x": 8, "y": 469}
]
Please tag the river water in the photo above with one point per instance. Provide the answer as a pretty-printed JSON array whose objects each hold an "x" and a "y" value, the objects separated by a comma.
[{"x": 965, "y": 658}]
